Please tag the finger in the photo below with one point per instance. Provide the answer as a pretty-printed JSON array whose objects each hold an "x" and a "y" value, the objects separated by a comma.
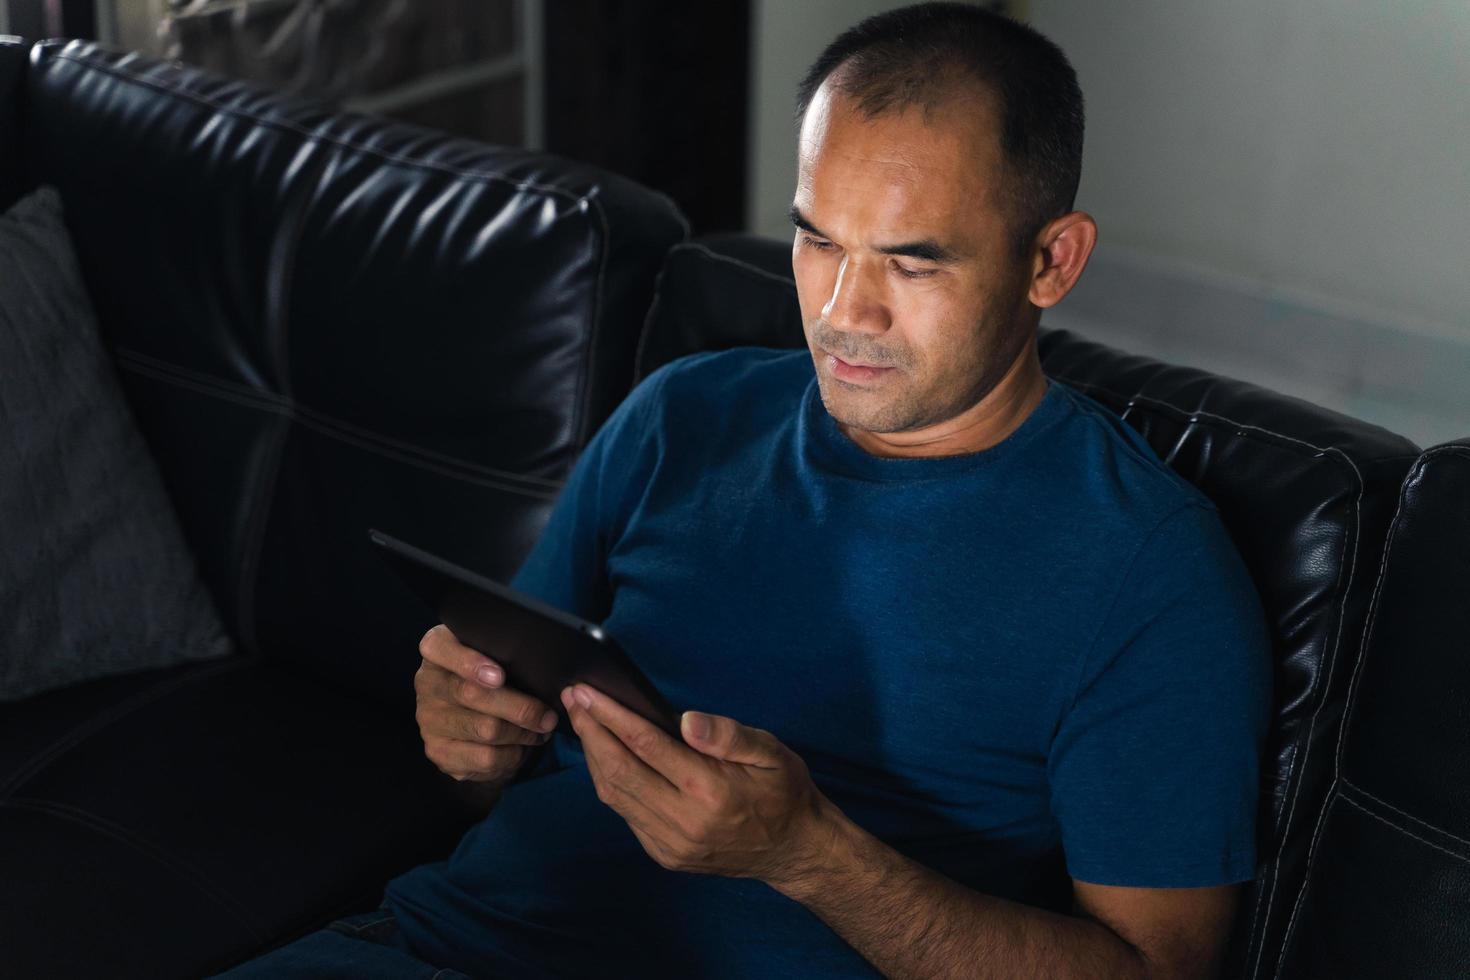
[
  {"x": 651, "y": 744},
  {"x": 442, "y": 647},
  {"x": 437, "y": 688},
  {"x": 616, "y": 769},
  {"x": 639, "y": 813},
  {"x": 434, "y": 683},
  {"x": 453, "y": 722},
  {"x": 726, "y": 739},
  {"x": 514, "y": 706},
  {"x": 497, "y": 731}
]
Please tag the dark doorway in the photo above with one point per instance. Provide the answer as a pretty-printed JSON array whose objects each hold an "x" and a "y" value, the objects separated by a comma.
[
  {"x": 35, "y": 19},
  {"x": 656, "y": 90}
]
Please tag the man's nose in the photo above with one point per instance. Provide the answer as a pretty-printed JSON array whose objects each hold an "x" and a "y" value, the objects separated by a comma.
[{"x": 858, "y": 302}]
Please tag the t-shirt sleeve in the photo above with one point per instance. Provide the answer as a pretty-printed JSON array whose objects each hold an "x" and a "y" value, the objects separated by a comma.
[
  {"x": 1154, "y": 769},
  {"x": 567, "y": 567}
]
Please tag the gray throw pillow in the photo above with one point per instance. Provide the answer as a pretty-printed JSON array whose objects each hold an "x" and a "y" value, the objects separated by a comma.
[{"x": 95, "y": 577}]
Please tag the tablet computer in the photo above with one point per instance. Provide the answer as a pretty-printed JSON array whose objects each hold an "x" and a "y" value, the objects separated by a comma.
[{"x": 541, "y": 648}]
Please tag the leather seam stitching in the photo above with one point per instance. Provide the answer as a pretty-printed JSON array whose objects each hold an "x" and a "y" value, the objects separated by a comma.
[
  {"x": 108, "y": 716},
  {"x": 293, "y": 412},
  {"x": 641, "y": 350},
  {"x": 266, "y": 489},
  {"x": 1449, "y": 449},
  {"x": 1325, "y": 681},
  {"x": 1403, "y": 830},
  {"x": 1198, "y": 416},
  {"x": 640, "y": 354},
  {"x": 324, "y": 418},
  {"x": 1415, "y": 473},
  {"x": 253, "y": 542},
  {"x": 1372, "y": 618},
  {"x": 1360, "y": 791},
  {"x": 739, "y": 263},
  {"x": 121, "y": 835},
  {"x": 1337, "y": 778}
]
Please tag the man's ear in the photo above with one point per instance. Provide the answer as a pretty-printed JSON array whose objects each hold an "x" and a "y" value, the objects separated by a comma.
[{"x": 1063, "y": 248}]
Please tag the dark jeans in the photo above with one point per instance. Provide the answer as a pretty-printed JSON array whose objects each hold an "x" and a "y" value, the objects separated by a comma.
[{"x": 366, "y": 946}]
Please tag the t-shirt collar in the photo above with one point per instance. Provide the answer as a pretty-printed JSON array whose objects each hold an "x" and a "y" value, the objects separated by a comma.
[{"x": 831, "y": 448}]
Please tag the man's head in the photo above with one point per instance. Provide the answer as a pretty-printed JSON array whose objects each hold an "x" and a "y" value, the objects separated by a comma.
[{"x": 940, "y": 149}]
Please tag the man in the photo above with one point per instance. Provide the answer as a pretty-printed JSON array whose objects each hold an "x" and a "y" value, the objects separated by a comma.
[{"x": 982, "y": 683}]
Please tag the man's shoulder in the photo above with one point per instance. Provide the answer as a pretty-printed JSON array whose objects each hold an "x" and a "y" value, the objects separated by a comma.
[
  {"x": 738, "y": 365},
  {"x": 701, "y": 401},
  {"x": 1114, "y": 461},
  {"x": 721, "y": 379}
]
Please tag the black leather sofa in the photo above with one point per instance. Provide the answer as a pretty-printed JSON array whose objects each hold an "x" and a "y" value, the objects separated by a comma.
[{"x": 326, "y": 322}]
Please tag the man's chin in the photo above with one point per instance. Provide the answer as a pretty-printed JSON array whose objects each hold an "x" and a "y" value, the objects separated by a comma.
[{"x": 857, "y": 408}]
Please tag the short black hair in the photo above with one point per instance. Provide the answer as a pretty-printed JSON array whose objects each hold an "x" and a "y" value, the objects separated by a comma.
[{"x": 914, "y": 56}]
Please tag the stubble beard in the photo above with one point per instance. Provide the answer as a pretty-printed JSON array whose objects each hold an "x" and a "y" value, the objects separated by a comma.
[
  {"x": 891, "y": 408},
  {"x": 900, "y": 402},
  {"x": 861, "y": 408},
  {"x": 903, "y": 403}
]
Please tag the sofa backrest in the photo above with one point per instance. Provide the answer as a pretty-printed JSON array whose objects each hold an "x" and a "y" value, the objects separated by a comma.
[
  {"x": 327, "y": 322},
  {"x": 1306, "y": 494},
  {"x": 1388, "y": 885}
]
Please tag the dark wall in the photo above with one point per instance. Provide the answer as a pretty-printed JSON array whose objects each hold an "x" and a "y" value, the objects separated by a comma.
[{"x": 655, "y": 90}]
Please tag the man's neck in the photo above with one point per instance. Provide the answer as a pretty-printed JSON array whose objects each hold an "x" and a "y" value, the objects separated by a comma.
[{"x": 983, "y": 425}]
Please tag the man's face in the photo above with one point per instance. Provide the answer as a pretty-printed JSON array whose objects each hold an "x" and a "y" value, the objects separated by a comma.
[{"x": 913, "y": 300}]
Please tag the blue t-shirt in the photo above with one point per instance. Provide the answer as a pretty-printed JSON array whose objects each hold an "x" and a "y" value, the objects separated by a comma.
[{"x": 1038, "y": 661}]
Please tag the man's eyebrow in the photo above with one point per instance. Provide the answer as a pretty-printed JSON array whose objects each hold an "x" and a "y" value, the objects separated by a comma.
[
  {"x": 799, "y": 220},
  {"x": 927, "y": 249}
]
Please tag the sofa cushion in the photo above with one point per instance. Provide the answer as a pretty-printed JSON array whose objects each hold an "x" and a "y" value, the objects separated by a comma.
[
  {"x": 1388, "y": 889},
  {"x": 95, "y": 578},
  {"x": 196, "y": 816},
  {"x": 720, "y": 292}
]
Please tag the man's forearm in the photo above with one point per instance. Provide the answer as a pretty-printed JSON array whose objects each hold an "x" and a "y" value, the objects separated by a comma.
[{"x": 910, "y": 921}]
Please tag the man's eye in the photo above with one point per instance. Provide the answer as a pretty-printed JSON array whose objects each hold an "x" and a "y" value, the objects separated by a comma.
[
  {"x": 816, "y": 243},
  {"x": 908, "y": 273}
]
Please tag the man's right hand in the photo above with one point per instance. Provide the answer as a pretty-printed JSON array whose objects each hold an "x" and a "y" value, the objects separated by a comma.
[{"x": 474, "y": 727}]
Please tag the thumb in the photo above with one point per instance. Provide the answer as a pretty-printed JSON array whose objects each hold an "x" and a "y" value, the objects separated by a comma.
[{"x": 727, "y": 739}]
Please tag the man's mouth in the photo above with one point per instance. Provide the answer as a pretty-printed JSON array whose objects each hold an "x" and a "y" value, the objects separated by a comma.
[{"x": 857, "y": 372}]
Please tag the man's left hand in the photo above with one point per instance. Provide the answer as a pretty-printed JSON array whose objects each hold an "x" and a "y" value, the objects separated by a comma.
[{"x": 729, "y": 800}]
